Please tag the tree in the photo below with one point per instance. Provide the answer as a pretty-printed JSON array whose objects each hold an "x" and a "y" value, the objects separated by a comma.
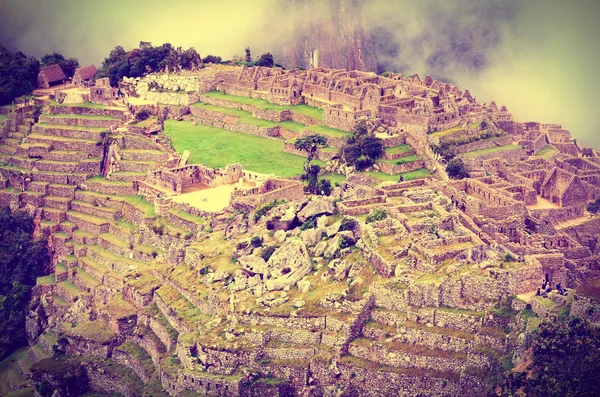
[
  {"x": 68, "y": 66},
  {"x": 22, "y": 260},
  {"x": 456, "y": 169},
  {"x": 248, "y": 55},
  {"x": 594, "y": 207},
  {"x": 565, "y": 361},
  {"x": 212, "y": 59},
  {"x": 310, "y": 144},
  {"x": 18, "y": 75},
  {"x": 266, "y": 60},
  {"x": 362, "y": 148}
]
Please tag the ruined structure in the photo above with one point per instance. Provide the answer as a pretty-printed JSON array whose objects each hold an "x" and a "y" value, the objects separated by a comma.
[
  {"x": 282, "y": 293},
  {"x": 50, "y": 75}
]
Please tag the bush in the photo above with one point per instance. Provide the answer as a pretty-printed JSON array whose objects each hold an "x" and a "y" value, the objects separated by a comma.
[
  {"x": 347, "y": 224},
  {"x": 324, "y": 187},
  {"x": 142, "y": 115},
  {"x": 376, "y": 214},
  {"x": 263, "y": 209},
  {"x": 594, "y": 207},
  {"x": 508, "y": 257},
  {"x": 268, "y": 251},
  {"x": 309, "y": 224},
  {"x": 256, "y": 241},
  {"x": 345, "y": 242},
  {"x": 456, "y": 169}
]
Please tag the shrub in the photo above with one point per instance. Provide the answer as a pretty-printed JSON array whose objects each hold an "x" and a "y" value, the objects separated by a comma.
[
  {"x": 263, "y": 209},
  {"x": 508, "y": 257},
  {"x": 142, "y": 115},
  {"x": 594, "y": 207},
  {"x": 376, "y": 214},
  {"x": 456, "y": 169},
  {"x": 345, "y": 242},
  {"x": 347, "y": 224},
  {"x": 256, "y": 241},
  {"x": 268, "y": 251},
  {"x": 324, "y": 187},
  {"x": 309, "y": 224}
]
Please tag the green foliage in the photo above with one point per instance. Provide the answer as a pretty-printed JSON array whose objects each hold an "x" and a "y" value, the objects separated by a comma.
[
  {"x": 142, "y": 115},
  {"x": 456, "y": 169},
  {"x": 311, "y": 175},
  {"x": 266, "y": 60},
  {"x": 324, "y": 187},
  {"x": 68, "y": 65},
  {"x": 212, "y": 59},
  {"x": 345, "y": 242},
  {"x": 594, "y": 207},
  {"x": 508, "y": 257},
  {"x": 18, "y": 75},
  {"x": 310, "y": 144},
  {"x": 309, "y": 224},
  {"x": 268, "y": 251},
  {"x": 69, "y": 378},
  {"x": 22, "y": 261},
  {"x": 565, "y": 361},
  {"x": 256, "y": 241},
  {"x": 146, "y": 59},
  {"x": 347, "y": 224},
  {"x": 248, "y": 54},
  {"x": 263, "y": 209},
  {"x": 362, "y": 149},
  {"x": 376, "y": 214}
]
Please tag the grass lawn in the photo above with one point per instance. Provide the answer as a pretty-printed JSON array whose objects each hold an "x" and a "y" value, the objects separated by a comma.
[
  {"x": 216, "y": 148},
  {"x": 328, "y": 131},
  {"x": 490, "y": 150},
  {"x": 335, "y": 177},
  {"x": 399, "y": 149},
  {"x": 2, "y": 117},
  {"x": 402, "y": 160},
  {"x": 546, "y": 152},
  {"x": 292, "y": 125},
  {"x": 233, "y": 112},
  {"x": 310, "y": 111},
  {"x": 416, "y": 174}
]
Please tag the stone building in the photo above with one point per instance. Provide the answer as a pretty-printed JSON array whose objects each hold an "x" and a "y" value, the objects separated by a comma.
[
  {"x": 84, "y": 75},
  {"x": 50, "y": 76}
]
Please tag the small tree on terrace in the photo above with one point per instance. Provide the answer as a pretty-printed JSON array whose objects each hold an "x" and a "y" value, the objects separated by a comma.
[
  {"x": 456, "y": 169},
  {"x": 248, "y": 55},
  {"x": 310, "y": 144},
  {"x": 266, "y": 60}
]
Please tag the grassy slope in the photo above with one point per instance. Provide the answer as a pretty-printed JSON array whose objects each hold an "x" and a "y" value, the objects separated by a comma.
[{"x": 216, "y": 147}]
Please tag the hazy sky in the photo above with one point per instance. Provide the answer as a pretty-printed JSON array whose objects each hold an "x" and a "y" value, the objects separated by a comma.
[{"x": 538, "y": 57}]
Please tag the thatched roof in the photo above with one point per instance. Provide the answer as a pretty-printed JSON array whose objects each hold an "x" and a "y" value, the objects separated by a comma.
[
  {"x": 53, "y": 73},
  {"x": 86, "y": 72}
]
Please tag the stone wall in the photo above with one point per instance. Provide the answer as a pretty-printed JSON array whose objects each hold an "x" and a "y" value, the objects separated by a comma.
[{"x": 395, "y": 169}]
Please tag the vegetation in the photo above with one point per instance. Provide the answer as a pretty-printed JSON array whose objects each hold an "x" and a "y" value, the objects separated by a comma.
[
  {"x": 565, "y": 361},
  {"x": 22, "y": 261},
  {"x": 142, "y": 115},
  {"x": 146, "y": 59},
  {"x": 216, "y": 148},
  {"x": 362, "y": 148},
  {"x": 68, "y": 65},
  {"x": 311, "y": 144},
  {"x": 594, "y": 207},
  {"x": 456, "y": 169},
  {"x": 18, "y": 75},
  {"x": 376, "y": 214}
]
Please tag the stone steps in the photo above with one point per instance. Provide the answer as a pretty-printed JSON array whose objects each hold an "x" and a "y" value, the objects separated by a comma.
[
  {"x": 143, "y": 155},
  {"x": 107, "y": 213},
  {"x": 53, "y": 215},
  {"x": 16, "y": 135},
  {"x": 57, "y": 166},
  {"x": 137, "y": 166},
  {"x": 88, "y": 111},
  {"x": 119, "y": 188},
  {"x": 57, "y": 202},
  {"x": 12, "y": 141},
  {"x": 66, "y": 155},
  {"x": 83, "y": 237},
  {"x": 80, "y": 121},
  {"x": 89, "y": 223},
  {"x": 112, "y": 261},
  {"x": 60, "y": 190},
  {"x": 114, "y": 244},
  {"x": 64, "y": 178},
  {"x": 67, "y": 131},
  {"x": 38, "y": 186},
  {"x": 24, "y": 129},
  {"x": 122, "y": 176},
  {"x": 9, "y": 150},
  {"x": 62, "y": 143},
  {"x": 85, "y": 281}
]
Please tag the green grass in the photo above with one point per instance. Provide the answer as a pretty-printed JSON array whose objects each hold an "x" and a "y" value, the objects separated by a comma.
[
  {"x": 71, "y": 288},
  {"x": 546, "y": 152},
  {"x": 234, "y": 112},
  {"x": 99, "y": 179},
  {"x": 258, "y": 122},
  {"x": 339, "y": 178},
  {"x": 138, "y": 202},
  {"x": 292, "y": 125},
  {"x": 416, "y": 174},
  {"x": 81, "y": 116},
  {"x": 402, "y": 160},
  {"x": 188, "y": 217},
  {"x": 94, "y": 330},
  {"x": 495, "y": 149},
  {"x": 71, "y": 127},
  {"x": 328, "y": 131},
  {"x": 80, "y": 105},
  {"x": 96, "y": 220},
  {"x": 399, "y": 149},
  {"x": 306, "y": 110},
  {"x": 216, "y": 148},
  {"x": 2, "y": 117},
  {"x": 46, "y": 280}
]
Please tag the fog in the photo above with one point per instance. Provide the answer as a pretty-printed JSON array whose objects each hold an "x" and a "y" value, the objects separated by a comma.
[{"x": 537, "y": 57}]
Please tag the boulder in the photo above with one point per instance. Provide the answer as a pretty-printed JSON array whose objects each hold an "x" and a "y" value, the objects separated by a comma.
[
  {"x": 280, "y": 236},
  {"x": 304, "y": 286},
  {"x": 254, "y": 264},
  {"x": 311, "y": 237},
  {"x": 316, "y": 207},
  {"x": 288, "y": 264}
]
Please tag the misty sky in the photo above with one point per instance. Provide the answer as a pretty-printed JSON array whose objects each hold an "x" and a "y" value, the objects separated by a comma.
[{"x": 538, "y": 57}]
